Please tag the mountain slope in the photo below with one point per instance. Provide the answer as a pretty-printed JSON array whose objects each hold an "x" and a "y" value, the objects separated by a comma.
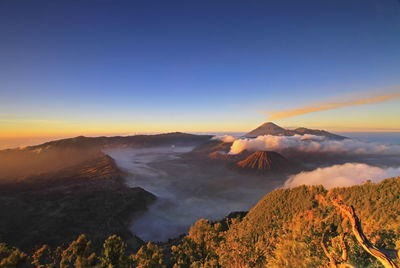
[
  {"x": 317, "y": 132},
  {"x": 269, "y": 128},
  {"x": 229, "y": 157},
  {"x": 265, "y": 161},
  {"x": 293, "y": 221},
  {"x": 287, "y": 227},
  {"x": 211, "y": 146}
]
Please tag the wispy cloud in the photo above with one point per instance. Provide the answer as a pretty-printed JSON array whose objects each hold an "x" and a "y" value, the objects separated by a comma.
[{"x": 323, "y": 106}]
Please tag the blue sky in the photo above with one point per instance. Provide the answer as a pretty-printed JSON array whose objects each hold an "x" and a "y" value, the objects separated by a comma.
[{"x": 114, "y": 66}]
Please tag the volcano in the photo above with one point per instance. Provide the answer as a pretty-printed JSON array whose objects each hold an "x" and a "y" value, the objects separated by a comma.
[
  {"x": 270, "y": 128},
  {"x": 265, "y": 161}
]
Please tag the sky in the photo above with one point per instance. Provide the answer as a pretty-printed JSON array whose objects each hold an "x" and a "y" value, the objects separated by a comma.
[{"x": 106, "y": 67}]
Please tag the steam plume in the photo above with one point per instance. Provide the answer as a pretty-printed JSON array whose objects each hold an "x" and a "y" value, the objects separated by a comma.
[
  {"x": 311, "y": 143},
  {"x": 225, "y": 138},
  {"x": 331, "y": 105}
]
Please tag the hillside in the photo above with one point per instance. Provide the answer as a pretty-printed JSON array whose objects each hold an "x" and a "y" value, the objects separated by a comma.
[
  {"x": 265, "y": 161},
  {"x": 286, "y": 227},
  {"x": 270, "y": 128},
  {"x": 299, "y": 227},
  {"x": 229, "y": 157},
  {"x": 213, "y": 145}
]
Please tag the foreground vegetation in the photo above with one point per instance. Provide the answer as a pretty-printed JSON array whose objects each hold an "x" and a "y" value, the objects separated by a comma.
[{"x": 300, "y": 227}]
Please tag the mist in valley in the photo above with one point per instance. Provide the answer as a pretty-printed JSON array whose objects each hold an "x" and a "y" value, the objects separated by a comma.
[{"x": 188, "y": 188}]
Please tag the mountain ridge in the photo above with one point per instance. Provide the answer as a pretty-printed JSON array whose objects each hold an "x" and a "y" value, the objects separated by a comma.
[{"x": 164, "y": 139}]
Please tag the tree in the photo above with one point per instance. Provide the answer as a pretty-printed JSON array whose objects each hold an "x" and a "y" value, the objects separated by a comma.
[
  {"x": 348, "y": 211},
  {"x": 11, "y": 257},
  {"x": 114, "y": 253},
  {"x": 148, "y": 256},
  {"x": 198, "y": 248},
  {"x": 334, "y": 263},
  {"x": 78, "y": 254},
  {"x": 45, "y": 258}
]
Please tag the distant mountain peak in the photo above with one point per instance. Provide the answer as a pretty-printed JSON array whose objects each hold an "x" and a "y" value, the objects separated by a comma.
[
  {"x": 270, "y": 125},
  {"x": 270, "y": 128}
]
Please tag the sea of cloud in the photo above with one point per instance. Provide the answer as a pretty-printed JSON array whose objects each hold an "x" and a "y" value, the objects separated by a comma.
[
  {"x": 342, "y": 175},
  {"x": 309, "y": 143}
]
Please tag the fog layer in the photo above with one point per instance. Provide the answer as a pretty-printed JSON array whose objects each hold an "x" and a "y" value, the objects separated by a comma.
[
  {"x": 311, "y": 143},
  {"x": 342, "y": 175},
  {"x": 187, "y": 189}
]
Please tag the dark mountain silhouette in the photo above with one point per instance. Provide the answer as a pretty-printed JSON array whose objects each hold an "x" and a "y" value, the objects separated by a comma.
[
  {"x": 265, "y": 161},
  {"x": 270, "y": 128},
  {"x": 136, "y": 141},
  {"x": 317, "y": 132}
]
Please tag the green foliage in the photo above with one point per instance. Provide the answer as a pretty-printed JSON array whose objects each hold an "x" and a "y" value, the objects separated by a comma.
[
  {"x": 11, "y": 257},
  {"x": 114, "y": 255},
  {"x": 44, "y": 257},
  {"x": 78, "y": 254},
  {"x": 284, "y": 229},
  {"x": 292, "y": 253},
  {"x": 198, "y": 248},
  {"x": 239, "y": 250},
  {"x": 148, "y": 256}
]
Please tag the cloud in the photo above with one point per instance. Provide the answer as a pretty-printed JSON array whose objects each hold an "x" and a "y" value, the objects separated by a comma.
[
  {"x": 225, "y": 138},
  {"x": 317, "y": 107},
  {"x": 341, "y": 175},
  {"x": 311, "y": 143}
]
